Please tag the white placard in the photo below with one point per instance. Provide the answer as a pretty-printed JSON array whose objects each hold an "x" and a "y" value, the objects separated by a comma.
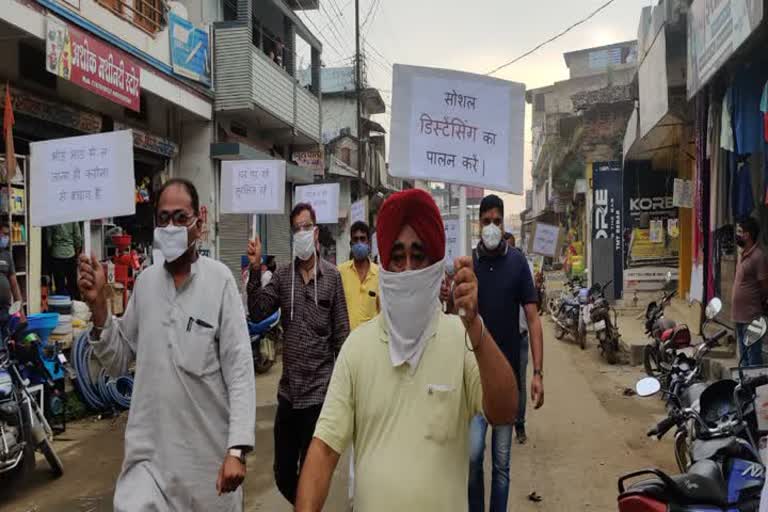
[
  {"x": 545, "y": 240},
  {"x": 253, "y": 186},
  {"x": 358, "y": 211},
  {"x": 682, "y": 193},
  {"x": 457, "y": 127},
  {"x": 82, "y": 178},
  {"x": 452, "y": 243},
  {"x": 324, "y": 199}
]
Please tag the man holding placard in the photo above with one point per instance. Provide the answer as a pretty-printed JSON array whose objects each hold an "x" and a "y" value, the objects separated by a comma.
[
  {"x": 193, "y": 408},
  {"x": 315, "y": 324}
]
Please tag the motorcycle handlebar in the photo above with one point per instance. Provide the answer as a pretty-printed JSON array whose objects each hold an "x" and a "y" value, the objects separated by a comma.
[
  {"x": 755, "y": 382},
  {"x": 663, "y": 426}
]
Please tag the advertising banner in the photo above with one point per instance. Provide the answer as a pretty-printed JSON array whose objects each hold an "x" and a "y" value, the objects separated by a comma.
[
  {"x": 607, "y": 218},
  {"x": 189, "y": 50}
]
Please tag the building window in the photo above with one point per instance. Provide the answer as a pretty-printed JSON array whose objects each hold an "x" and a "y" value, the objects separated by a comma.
[
  {"x": 346, "y": 156},
  {"x": 148, "y": 15},
  {"x": 538, "y": 103},
  {"x": 230, "y": 10}
]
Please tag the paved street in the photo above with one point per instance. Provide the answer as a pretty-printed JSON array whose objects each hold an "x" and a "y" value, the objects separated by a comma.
[{"x": 586, "y": 435}]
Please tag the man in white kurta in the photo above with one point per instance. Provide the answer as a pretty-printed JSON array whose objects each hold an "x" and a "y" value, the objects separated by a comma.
[{"x": 194, "y": 391}]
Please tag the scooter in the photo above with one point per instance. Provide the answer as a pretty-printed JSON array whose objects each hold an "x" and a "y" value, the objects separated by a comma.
[
  {"x": 263, "y": 336},
  {"x": 23, "y": 426}
]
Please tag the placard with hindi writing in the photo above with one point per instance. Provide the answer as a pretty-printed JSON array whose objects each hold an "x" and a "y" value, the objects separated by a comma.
[
  {"x": 253, "y": 186},
  {"x": 82, "y": 178},
  {"x": 324, "y": 198},
  {"x": 457, "y": 127}
]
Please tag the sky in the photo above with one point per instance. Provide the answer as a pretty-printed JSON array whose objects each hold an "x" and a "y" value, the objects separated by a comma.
[{"x": 474, "y": 36}]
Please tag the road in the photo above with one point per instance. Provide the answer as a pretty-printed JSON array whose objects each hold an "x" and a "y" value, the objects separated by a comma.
[{"x": 586, "y": 435}]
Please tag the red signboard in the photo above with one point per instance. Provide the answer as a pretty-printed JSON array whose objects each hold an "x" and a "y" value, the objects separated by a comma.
[{"x": 92, "y": 64}]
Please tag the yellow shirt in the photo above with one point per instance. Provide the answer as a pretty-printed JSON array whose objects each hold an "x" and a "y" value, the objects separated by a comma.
[
  {"x": 361, "y": 305},
  {"x": 410, "y": 429}
]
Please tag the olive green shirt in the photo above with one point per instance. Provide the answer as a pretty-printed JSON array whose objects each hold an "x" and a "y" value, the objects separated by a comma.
[{"x": 64, "y": 240}]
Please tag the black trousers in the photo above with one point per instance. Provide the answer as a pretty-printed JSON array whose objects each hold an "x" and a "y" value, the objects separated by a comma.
[
  {"x": 293, "y": 433},
  {"x": 65, "y": 276}
]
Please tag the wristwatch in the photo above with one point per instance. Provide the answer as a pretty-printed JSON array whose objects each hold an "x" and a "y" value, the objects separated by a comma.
[
  {"x": 238, "y": 453},
  {"x": 539, "y": 373}
]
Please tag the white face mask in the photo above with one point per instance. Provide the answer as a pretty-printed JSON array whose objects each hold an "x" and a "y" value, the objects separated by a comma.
[
  {"x": 409, "y": 302},
  {"x": 172, "y": 241},
  {"x": 491, "y": 236},
  {"x": 304, "y": 244}
]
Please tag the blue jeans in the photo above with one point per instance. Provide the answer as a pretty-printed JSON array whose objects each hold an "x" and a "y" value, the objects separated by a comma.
[
  {"x": 521, "y": 380},
  {"x": 501, "y": 439},
  {"x": 752, "y": 356}
]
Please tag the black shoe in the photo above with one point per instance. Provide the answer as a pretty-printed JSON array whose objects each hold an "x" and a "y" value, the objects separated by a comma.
[{"x": 521, "y": 437}]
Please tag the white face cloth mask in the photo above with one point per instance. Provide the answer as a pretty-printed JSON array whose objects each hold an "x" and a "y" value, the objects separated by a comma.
[
  {"x": 304, "y": 244},
  {"x": 172, "y": 241},
  {"x": 491, "y": 236},
  {"x": 409, "y": 302}
]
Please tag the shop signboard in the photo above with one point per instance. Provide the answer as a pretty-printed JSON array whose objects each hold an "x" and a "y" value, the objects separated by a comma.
[
  {"x": 682, "y": 193},
  {"x": 545, "y": 239},
  {"x": 312, "y": 160},
  {"x": 189, "y": 50},
  {"x": 359, "y": 211},
  {"x": 253, "y": 186},
  {"x": 150, "y": 142},
  {"x": 324, "y": 198},
  {"x": 92, "y": 64},
  {"x": 457, "y": 127},
  {"x": 716, "y": 29},
  {"x": 607, "y": 222},
  {"x": 82, "y": 178}
]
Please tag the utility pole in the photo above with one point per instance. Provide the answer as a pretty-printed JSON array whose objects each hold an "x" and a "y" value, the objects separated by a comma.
[{"x": 358, "y": 89}]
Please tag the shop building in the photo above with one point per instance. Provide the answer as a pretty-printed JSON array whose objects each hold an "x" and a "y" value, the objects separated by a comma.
[{"x": 85, "y": 66}]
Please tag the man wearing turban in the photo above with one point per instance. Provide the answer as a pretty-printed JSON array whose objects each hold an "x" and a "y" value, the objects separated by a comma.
[{"x": 407, "y": 384}]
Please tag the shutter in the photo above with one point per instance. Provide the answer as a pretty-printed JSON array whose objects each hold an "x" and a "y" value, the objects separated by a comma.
[
  {"x": 233, "y": 237},
  {"x": 279, "y": 232}
]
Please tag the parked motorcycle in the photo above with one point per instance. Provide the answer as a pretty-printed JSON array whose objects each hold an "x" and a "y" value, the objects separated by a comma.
[
  {"x": 665, "y": 335},
  {"x": 725, "y": 471},
  {"x": 569, "y": 291},
  {"x": 23, "y": 426},
  {"x": 605, "y": 323},
  {"x": 568, "y": 319},
  {"x": 263, "y": 342}
]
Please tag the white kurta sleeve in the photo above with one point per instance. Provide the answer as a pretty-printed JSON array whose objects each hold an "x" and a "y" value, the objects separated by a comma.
[
  {"x": 237, "y": 368},
  {"x": 116, "y": 348}
]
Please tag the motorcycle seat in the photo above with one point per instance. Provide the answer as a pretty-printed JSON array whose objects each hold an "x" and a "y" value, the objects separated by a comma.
[
  {"x": 703, "y": 484},
  {"x": 265, "y": 325}
]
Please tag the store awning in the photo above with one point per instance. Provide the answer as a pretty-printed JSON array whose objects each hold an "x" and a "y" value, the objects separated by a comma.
[
  {"x": 661, "y": 143},
  {"x": 339, "y": 168},
  {"x": 240, "y": 151}
]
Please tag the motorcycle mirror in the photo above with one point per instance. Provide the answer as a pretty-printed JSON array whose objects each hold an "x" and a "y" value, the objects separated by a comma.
[
  {"x": 755, "y": 331},
  {"x": 15, "y": 308},
  {"x": 713, "y": 308},
  {"x": 648, "y": 386}
]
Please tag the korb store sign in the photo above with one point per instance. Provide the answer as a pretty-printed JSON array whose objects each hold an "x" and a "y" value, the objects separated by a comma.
[{"x": 93, "y": 65}]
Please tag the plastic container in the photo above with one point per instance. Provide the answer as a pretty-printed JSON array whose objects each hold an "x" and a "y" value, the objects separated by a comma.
[
  {"x": 61, "y": 304},
  {"x": 42, "y": 324}
]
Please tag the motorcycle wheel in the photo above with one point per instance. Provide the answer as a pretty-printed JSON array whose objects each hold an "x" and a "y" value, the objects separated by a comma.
[
  {"x": 611, "y": 351},
  {"x": 52, "y": 458},
  {"x": 651, "y": 361},
  {"x": 582, "y": 337},
  {"x": 681, "y": 452},
  {"x": 559, "y": 332}
]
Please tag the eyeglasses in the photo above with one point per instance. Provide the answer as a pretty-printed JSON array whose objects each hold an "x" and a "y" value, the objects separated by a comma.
[
  {"x": 486, "y": 221},
  {"x": 307, "y": 226},
  {"x": 179, "y": 218}
]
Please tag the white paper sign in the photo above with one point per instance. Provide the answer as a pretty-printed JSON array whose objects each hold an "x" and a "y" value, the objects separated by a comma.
[
  {"x": 324, "y": 199},
  {"x": 682, "y": 193},
  {"x": 457, "y": 127},
  {"x": 452, "y": 245},
  {"x": 358, "y": 212},
  {"x": 253, "y": 186},
  {"x": 545, "y": 240},
  {"x": 82, "y": 178}
]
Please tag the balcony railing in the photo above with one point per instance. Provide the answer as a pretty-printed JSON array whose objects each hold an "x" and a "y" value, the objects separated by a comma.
[{"x": 148, "y": 15}]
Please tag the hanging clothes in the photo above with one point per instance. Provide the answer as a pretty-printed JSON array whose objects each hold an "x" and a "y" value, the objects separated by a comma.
[
  {"x": 748, "y": 85},
  {"x": 764, "y": 110},
  {"x": 743, "y": 203},
  {"x": 726, "y": 122}
]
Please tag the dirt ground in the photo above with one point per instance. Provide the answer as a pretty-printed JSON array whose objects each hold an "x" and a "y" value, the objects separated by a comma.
[{"x": 586, "y": 435}]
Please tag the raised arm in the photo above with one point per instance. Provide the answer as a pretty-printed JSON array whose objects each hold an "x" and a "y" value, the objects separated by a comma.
[
  {"x": 113, "y": 340},
  {"x": 262, "y": 302},
  {"x": 499, "y": 385}
]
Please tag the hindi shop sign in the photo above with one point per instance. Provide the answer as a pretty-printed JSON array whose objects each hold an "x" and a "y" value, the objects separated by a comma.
[
  {"x": 92, "y": 64},
  {"x": 545, "y": 239},
  {"x": 323, "y": 198},
  {"x": 82, "y": 178},
  {"x": 716, "y": 29},
  {"x": 253, "y": 186},
  {"x": 359, "y": 211},
  {"x": 457, "y": 127}
]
